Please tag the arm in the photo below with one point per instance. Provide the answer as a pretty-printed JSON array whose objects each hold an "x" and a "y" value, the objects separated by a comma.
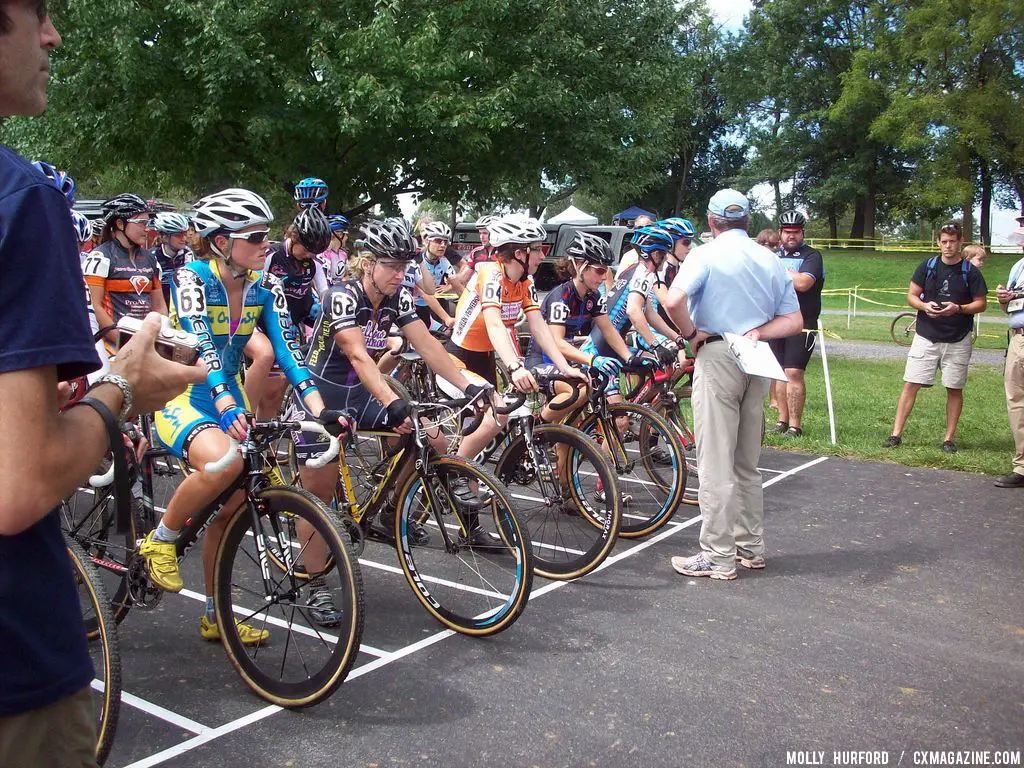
[
  {"x": 778, "y": 327},
  {"x": 159, "y": 304},
  {"x": 353, "y": 346},
  {"x": 802, "y": 281},
  {"x": 286, "y": 347},
  {"x": 438, "y": 310},
  {"x": 542, "y": 335},
  {"x": 914, "y": 298},
  {"x": 635, "y": 305},
  {"x": 569, "y": 351},
  {"x": 658, "y": 323},
  {"x": 499, "y": 336}
]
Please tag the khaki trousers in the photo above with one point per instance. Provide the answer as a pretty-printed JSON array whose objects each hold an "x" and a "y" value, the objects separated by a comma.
[
  {"x": 1013, "y": 380},
  {"x": 728, "y": 415},
  {"x": 60, "y": 735}
]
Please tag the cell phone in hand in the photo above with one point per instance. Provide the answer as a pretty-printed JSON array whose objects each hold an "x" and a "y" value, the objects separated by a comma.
[{"x": 171, "y": 344}]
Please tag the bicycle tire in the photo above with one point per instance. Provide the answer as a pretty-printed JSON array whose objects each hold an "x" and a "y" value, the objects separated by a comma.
[
  {"x": 238, "y": 564},
  {"x": 104, "y": 647},
  {"x": 565, "y": 545},
  {"x": 677, "y": 419},
  {"x": 650, "y": 509},
  {"x": 903, "y": 328},
  {"x": 453, "y": 601}
]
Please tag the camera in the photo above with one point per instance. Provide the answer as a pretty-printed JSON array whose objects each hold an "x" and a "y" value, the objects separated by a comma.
[{"x": 171, "y": 343}]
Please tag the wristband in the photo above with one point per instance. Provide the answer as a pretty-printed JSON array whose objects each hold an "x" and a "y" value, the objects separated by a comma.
[
  {"x": 692, "y": 336},
  {"x": 111, "y": 423}
]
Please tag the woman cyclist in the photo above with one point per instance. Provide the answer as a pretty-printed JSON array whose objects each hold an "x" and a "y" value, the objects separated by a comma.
[
  {"x": 333, "y": 260},
  {"x": 351, "y": 331},
  {"x": 220, "y": 300},
  {"x": 123, "y": 278},
  {"x": 436, "y": 272},
  {"x": 488, "y": 310},
  {"x": 172, "y": 251}
]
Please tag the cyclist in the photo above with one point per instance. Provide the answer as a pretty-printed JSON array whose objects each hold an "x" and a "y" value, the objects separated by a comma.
[
  {"x": 220, "y": 300},
  {"x": 123, "y": 278},
  {"x": 488, "y": 310},
  {"x": 482, "y": 253},
  {"x": 83, "y": 234},
  {"x": 311, "y": 192},
  {"x": 353, "y": 328},
  {"x": 172, "y": 250},
  {"x": 333, "y": 260},
  {"x": 437, "y": 273},
  {"x": 682, "y": 234}
]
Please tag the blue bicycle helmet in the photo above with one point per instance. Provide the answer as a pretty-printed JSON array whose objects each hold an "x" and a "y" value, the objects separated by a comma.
[
  {"x": 678, "y": 228},
  {"x": 310, "y": 191},
  {"x": 337, "y": 222},
  {"x": 651, "y": 239},
  {"x": 61, "y": 180}
]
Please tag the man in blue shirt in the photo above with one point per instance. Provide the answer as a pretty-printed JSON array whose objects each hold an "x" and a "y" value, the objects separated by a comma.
[
  {"x": 1011, "y": 299},
  {"x": 46, "y": 712},
  {"x": 730, "y": 285}
]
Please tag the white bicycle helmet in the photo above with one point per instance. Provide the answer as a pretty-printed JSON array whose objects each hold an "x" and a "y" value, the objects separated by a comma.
[
  {"x": 484, "y": 222},
  {"x": 436, "y": 229},
  {"x": 171, "y": 223},
  {"x": 83, "y": 227},
  {"x": 231, "y": 210},
  {"x": 517, "y": 231}
]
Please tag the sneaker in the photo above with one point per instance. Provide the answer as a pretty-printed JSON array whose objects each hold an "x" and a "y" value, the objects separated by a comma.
[
  {"x": 892, "y": 441},
  {"x": 1012, "y": 480},
  {"x": 321, "y": 609},
  {"x": 162, "y": 562},
  {"x": 749, "y": 559},
  {"x": 793, "y": 432},
  {"x": 778, "y": 428},
  {"x": 463, "y": 494},
  {"x": 478, "y": 538},
  {"x": 248, "y": 634},
  {"x": 700, "y": 565},
  {"x": 949, "y": 447}
]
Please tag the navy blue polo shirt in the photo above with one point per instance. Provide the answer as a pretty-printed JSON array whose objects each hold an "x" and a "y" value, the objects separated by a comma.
[{"x": 43, "y": 321}]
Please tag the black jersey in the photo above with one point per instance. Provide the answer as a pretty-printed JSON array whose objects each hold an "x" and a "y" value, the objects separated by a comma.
[
  {"x": 302, "y": 281},
  {"x": 345, "y": 306},
  {"x": 564, "y": 306}
]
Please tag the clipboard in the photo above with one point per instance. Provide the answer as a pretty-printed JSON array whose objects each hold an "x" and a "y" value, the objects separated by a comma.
[{"x": 754, "y": 358}]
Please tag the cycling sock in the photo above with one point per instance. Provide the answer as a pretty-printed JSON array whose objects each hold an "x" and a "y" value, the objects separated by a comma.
[
  {"x": 163, "y": 533},
  {"x": 211, "y": 616}
]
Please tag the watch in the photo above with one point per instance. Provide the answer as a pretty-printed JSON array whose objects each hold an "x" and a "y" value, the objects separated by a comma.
[{"x": 126, "y": 393}]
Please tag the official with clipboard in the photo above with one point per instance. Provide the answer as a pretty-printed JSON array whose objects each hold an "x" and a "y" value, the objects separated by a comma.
[{"x": 731, "y": 285}]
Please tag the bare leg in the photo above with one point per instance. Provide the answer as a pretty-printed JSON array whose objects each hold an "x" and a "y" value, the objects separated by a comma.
[
  {"x": 954, "y": 405},
  {"x": 796, "y": 393},
  {"x": 906, "y": 404},
  {"x": 782, "y": 397},
  {"x": 262, "y": 353}
]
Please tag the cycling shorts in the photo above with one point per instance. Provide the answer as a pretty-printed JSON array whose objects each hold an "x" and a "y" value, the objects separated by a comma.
[
  {"x": 190, "y": 413},
  {"x": 794, "y": 351},
  {"x": 480, "y": 363},
  {"x": 355, "y": 400}
]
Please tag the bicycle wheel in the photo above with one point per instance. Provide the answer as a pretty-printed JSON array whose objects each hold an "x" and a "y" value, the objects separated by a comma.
[
  {"x": 676, "y": 415},
  {"x": 571, "y": 528},
  {"x": 477, "y": 588},
  {"x": 903, "y": 328},
  {"x": 104, "y": 648},
  {"x": 651, "y": 484},
  {"x": 313, "y": 658}
]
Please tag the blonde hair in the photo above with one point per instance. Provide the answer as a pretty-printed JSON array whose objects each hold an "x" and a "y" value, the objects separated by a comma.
[
  {"x": 974, "y": 251},
  {"x": 355, "y": 267}
]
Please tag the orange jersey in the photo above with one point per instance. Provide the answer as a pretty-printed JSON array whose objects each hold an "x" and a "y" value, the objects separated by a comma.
[{"x": 490, "y": 288}]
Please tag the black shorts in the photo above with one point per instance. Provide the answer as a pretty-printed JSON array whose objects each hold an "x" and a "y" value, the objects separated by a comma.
[
  {"x": 355, "y": 400},
  {"x": 480, "y": 363},
  {"x": 795, "y": 351}
]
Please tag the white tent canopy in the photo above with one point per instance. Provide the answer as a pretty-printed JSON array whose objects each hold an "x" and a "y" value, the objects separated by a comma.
[{"x": 573, "y": 215}]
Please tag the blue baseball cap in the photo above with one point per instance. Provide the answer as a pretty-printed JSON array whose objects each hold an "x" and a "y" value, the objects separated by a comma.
[{"x": 729, "y": 204}]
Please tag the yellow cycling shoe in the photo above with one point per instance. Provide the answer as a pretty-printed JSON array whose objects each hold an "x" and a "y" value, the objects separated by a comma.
[
  {"x": 162, "y": 561},
  {"x": 248, "y": 633}
]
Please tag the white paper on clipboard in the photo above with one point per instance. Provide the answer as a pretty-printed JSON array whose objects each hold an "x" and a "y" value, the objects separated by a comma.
[{"x": 755, "y": 358}]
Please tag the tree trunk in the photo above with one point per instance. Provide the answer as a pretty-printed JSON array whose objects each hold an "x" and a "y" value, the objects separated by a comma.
[
  {"x": 833, "y": 222},
  {"x": 967, "y": 204},
  {"x": 986, "y": 203},
  {"x": 778, "y": 198},
  {"x": 857, "y": 228}
]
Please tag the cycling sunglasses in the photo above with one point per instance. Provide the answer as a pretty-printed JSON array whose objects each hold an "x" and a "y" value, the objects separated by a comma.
[{"x": 253, "y": 238}]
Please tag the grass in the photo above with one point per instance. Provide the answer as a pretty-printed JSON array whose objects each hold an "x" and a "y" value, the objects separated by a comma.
[{"x": 865, "y": 393}]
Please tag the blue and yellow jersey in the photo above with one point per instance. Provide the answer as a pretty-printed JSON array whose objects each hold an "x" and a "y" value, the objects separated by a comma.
[{"x": 199, "y": 304}]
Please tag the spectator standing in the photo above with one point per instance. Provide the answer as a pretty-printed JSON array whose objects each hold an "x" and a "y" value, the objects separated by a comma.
[
  {"x": 1011, "y": 299},
  {"x": 947, "y": 291},
  {"x": 46, "y": 708},
  {"x": 807, "y": 271},
  {"x": 729, "y": 285}
]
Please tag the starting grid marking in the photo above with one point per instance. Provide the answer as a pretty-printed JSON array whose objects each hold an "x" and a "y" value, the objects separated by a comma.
[{"x": 205, "y": 734}]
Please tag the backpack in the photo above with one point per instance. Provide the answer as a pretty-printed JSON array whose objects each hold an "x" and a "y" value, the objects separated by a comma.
[{"x": 965, "y": 268}]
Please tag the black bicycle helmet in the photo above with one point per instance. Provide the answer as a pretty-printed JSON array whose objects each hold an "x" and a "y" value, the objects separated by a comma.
[
  {"x": 124, "y": 206},
  {"x": 387, "y": 240},
  {"x": 313, "y": 229},
  {"x": 792, "y": 219},
  {"x": 591, "y": 248}
]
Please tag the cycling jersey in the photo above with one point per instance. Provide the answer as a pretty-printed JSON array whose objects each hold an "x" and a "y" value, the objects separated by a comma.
[
  {"x": 347, "y": 306},
  {"x": 333, "y": 264},
  {"x": 94, "y": 327},
  {"x": 666, "y": 275},
  {"x": 168, "y": 264},
  {"x": 127, "y": 284},
  {"x": 564, "y": 306},
  {"x": 438, "y": 271},
  {"x": 482, "y": 254},
  {"x": 200, "y": 305},
  {"x": 490, "y": 288},
  {"x": 411, "y": 277},
  {"x": 303, "y": 282},
  {"x": 635, "y": 279}
]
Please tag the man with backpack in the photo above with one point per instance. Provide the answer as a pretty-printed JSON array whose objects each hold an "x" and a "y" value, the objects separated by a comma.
[{"x": 947, "y": 291}]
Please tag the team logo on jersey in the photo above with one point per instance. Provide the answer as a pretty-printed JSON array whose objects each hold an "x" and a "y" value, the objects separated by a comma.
[
  {"x": 139, "y": 283},
  {"x": 185, "y": 276}
]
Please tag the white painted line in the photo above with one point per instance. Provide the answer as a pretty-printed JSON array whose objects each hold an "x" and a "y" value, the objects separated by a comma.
[
  {"x": 433, "y": 579},
  {"x": 671, "y": 529},
  {"x": 155, "y": 710}
]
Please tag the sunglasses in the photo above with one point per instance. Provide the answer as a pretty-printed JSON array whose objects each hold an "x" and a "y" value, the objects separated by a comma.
[
  {"x": 951, "y": 229},
  {"x": 253, "y": 238},
  {"x": 601, "y": 271},
  {"x": 142, "y": 222},
  {"x": 439, "y": 240},
  {"x": 393, "y": 266}
]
